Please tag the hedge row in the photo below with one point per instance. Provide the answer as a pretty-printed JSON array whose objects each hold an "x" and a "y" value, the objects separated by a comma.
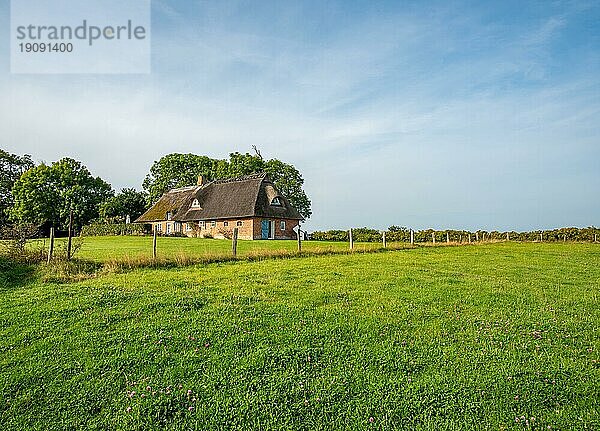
[
  {"x": 402, "y": 234},
  {"x": 105, "y": 229}
]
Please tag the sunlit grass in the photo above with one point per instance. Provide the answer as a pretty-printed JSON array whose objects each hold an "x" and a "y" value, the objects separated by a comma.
[
  {"x": 113, "y": 248},
  {"x": 500, "y": 336}
]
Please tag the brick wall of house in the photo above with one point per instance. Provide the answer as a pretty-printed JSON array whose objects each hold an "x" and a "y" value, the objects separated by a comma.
[
  {"x": 221, "y": 228},
  {"x": 287, "y": 233},
  {"x": 251, "y": 228}
]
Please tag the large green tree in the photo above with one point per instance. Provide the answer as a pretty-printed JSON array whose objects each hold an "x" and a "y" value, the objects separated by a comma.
[
  {"x": 177, "y": 170},
  {"x": 129, "y": 202},
  {"x": 45, "y": 195},
  {"x": 12, "y": 167}
]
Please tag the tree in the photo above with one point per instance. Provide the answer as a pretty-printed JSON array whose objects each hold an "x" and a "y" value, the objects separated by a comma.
[
  {"x": 289, "y": 181},
  {"x": 177, "y": 170},
  {"x": 129, "y": 202},
  {"x": 12, "y": 167},
  {"x": 46, "y": 194}
]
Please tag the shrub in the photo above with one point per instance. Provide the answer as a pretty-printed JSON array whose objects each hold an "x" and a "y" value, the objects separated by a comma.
[
  {"x": 15, "y": 245},
  {"x": 402, "y": 234},
  {"x": 106, "y": 229},
  {"x": 226, "y": 232}
]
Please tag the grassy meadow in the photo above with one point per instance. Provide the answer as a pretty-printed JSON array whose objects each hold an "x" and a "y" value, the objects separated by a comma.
[
  {"x": 499, "y": 336},
  {"x": 107, "y": 248}
]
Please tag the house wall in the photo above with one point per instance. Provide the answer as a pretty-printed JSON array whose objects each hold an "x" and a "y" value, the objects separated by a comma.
[
  {"x": 251, "y": 228},
  {"x": 288, "y": 233}
]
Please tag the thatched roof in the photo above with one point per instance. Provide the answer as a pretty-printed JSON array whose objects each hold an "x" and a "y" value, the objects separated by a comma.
[{"x": 247, "y": 196}]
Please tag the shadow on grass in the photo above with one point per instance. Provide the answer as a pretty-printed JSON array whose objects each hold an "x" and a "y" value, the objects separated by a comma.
[{"x": 15, "y": 274}]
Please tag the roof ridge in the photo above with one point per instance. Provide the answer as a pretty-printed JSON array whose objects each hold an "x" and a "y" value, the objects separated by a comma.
[
  {"x": 182, "y": 189},
  {"x": 241, "y": 178}
]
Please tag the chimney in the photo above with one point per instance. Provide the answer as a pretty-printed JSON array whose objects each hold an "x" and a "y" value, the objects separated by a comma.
[{"x": 201, "y": 180}]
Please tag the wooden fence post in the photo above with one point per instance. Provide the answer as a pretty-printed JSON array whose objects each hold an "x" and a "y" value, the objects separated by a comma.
[
  {"x": 384, "y": 242},
  {"x": 412, "y": 237},
  {"x": 351, "y": 240},
  {"x": 234, "y": 241},
  {"x": 70, "y": 233},
  {"x": 299, "y": 239},
  {"x": 447, "y": 238},
  {"x": 154, "y": 243},
  {"x": 51, "y": 249}
]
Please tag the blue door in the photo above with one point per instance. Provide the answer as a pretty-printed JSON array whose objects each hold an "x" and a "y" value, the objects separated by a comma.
[{"x": 265, "y": 229}]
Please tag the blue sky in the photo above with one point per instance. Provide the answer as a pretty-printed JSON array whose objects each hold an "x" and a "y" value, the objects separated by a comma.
[{"x": 444, "y": 115}]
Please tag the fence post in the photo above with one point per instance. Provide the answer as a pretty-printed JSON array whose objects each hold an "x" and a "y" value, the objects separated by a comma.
[
  {"x": 299, "y": 239},
  {"x": 412, "y": 237},
  {"x": 70, "y": 238},
  {"x": 51, "y": 249},
  {"x": 351, "y": 240},
  {"x": 384, "y": 242},
  {"x": 447, "y": 238},
  {"x": 234, "y": 241},
  {"x": 154, "y": 243}
]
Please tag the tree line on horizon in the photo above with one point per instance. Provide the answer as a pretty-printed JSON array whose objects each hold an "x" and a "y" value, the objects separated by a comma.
[
  {"x": 45, "y": 195},
  {"x": 403, "y": 234}
]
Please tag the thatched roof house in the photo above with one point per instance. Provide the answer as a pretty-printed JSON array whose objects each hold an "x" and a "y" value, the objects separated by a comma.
[{"x": 251, "y": 203}]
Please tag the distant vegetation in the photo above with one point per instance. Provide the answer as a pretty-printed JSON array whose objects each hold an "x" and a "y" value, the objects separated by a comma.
[{"x": 402, "y": 234}]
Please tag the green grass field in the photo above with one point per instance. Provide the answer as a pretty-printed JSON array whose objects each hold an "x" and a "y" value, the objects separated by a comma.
[
  {"x": 104, "y": 248},
  {"x": 498, "y": 336}
]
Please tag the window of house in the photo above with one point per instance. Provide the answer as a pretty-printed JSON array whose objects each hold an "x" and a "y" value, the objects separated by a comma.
[
  {"x": 202, "y": 224},
  {"x": 168, "y": 228},
  {"x": 282, "y": 225},
  {"x": 276, "y": 202},
  {"x": 213, "y": 223},
  {"x": 169, "y": 215},
  {"x": 158, "y": 227},
  {"x": 195, "y": 203},
  {"x": 225, "y": 223},
  {"x": 188, "y": 227},
  {"x": 239, "y": 223}
]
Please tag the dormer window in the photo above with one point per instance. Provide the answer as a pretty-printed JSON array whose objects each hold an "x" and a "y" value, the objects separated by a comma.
[
  {"x": 195, "y": 203},
  {"x": 169, "y": 215},
  {"x": 276, "y": 202}
]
